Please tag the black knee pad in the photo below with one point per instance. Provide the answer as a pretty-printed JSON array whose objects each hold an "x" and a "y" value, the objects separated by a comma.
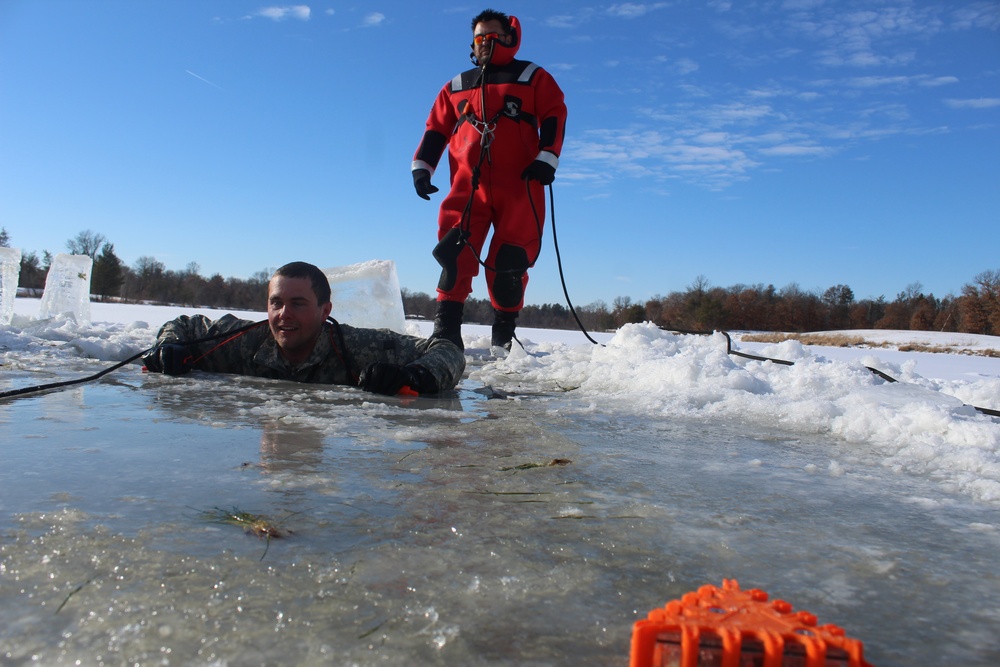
[
  {"x": 446, "y": 253},
  {"x": 508, "y": 286}
]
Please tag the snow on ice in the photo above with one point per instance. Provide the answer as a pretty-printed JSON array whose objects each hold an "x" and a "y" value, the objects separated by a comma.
[{"x": 925, "y": 424}]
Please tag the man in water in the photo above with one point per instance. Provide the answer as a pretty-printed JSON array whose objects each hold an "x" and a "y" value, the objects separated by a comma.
[{"x": 300, "y": 342}]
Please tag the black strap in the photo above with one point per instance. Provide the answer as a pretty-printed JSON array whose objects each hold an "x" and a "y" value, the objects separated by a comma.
[
  {"x": 342, "y": 352},
  {"x": 69, "y": 383}
]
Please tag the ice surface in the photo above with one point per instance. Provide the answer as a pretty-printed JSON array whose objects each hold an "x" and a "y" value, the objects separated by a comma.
[
  {"x": 10, "y": 270},
  {"x": 367, "y": 295},
  {"x": 433, "y": 531},
  {"x": 67, "y": 287}
]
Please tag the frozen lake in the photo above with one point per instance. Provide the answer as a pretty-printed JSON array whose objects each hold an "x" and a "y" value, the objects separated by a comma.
[
  {"x": 527, "y": 519},
  {"x": 420, "y": 532}
]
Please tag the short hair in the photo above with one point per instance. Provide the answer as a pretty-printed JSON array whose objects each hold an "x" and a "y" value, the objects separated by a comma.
[
  {"x": 492, "y": 15},
  {"x": 320, "y": 283}
]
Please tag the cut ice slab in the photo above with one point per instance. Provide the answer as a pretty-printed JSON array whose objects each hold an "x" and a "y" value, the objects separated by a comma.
[
  {"x": 10, "y": 270},
  {"x": 367, "y": 295},
  {"x": 67, "y": 287}
]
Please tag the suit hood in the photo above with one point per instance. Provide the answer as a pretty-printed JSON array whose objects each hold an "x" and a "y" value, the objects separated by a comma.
[{"x": 504, "y": 54}]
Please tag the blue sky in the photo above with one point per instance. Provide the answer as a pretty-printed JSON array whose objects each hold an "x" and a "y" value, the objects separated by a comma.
[{"x": 814, "y": 142}]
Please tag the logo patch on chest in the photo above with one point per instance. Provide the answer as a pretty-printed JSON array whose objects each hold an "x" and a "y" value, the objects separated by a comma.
[{"x": 512, "y": 107}]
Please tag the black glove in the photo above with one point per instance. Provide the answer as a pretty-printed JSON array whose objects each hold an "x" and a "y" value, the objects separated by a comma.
[
  {"x": 169, "y": 358},
  {"x": 385, "y": 378},
  {"x": 543, "y": 172},
  {"x": 422, "y": 183}
]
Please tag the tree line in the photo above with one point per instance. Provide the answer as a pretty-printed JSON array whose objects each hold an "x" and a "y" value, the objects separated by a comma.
[
  {"x": 148, "y": 280},
  {"x": 700, "y": 307}
]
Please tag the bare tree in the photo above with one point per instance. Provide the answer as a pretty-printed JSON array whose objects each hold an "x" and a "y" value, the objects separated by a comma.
[{"x": 86, "y": 243}]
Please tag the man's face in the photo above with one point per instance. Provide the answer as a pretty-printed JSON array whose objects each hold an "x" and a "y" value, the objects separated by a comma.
[
  {"x": 294, "y": 316},
  {"x": 484, "y": 49}
]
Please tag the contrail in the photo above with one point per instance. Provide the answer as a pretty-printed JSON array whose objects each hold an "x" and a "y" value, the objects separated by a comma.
[{"x": 201, "y": 78}]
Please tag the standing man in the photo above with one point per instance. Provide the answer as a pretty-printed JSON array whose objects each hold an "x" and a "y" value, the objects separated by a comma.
[{"x": 503, "y": 123}]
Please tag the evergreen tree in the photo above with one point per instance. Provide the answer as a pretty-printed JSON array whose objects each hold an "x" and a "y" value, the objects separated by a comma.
[
  {"x": 108, "y": 275},
  {"x": 32, "y": 273},
  {"x": 4, "y": 238}
]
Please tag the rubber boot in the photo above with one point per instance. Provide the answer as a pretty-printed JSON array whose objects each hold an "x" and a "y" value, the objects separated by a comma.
[
  {"x": 503, "y": 328},
  {"x": 448, "y": 322}
]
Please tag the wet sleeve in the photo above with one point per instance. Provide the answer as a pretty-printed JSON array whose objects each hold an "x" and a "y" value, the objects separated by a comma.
[
  {"x": 231, "y": 357},
  {"x": 184, "y": 329},
  {"x": 443, "y": 360}
]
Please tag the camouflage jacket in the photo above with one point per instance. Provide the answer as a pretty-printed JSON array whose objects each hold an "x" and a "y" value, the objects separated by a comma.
[{"x": 341, "y": 353}]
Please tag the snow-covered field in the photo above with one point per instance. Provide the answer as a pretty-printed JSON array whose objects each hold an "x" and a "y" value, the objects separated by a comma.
[{"x": 434, "y": 530}]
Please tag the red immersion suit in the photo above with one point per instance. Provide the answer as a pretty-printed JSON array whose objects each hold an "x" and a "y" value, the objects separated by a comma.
[{"x": 520, "y": 109}]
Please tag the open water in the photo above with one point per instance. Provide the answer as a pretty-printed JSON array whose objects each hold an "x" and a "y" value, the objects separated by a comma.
[{"x": 478, "y": 529}]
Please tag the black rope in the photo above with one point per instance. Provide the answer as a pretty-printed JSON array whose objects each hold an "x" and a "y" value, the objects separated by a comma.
[
  {"x": 729, "y": 340},
  {"x": 465, "y": 225},
  {"x": 562, "y": 277},
  {"x": 68, "y": 383},
  {"x": 90, "y": 378},
  {"x": 783, "y": 362}
]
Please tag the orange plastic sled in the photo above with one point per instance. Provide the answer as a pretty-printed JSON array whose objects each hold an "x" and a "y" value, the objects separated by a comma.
[{"x": 728, "y": 627}]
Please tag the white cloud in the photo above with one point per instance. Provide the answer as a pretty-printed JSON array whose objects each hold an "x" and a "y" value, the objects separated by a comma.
[
  {"x": 977, "y": 15},
  {"x": 900, "y": 81},
  {"x": 685, "y": 66},
  {"x": 562, "y": 21},
  {"x": 878, "y": 81},
  {"x": 795, "y": 150},
  {"x": 714, "y": 163},
  {"x": 976, "y": 103},
  {"x": 627, "y": 10},
  {"x": 723, "y": 114},
  {"x": 276, "y": 13},
  {"x": 866, "y": 38},
  {"x": 712, "y": 138},
  {"x": 373, "y": 20},
  {"x": 715, "y": 133},
  {"x": 633, "y": 10},
  {"x": 939, "y": 81},
  {"x": 799, "y": 5}
]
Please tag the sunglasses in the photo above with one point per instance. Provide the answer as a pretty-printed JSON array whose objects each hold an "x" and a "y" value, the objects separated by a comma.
[{"x": 488, "y": 37}]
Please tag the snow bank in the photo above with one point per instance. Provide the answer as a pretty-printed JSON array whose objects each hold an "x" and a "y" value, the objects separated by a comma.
[{"x": 916, "y": 425}]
